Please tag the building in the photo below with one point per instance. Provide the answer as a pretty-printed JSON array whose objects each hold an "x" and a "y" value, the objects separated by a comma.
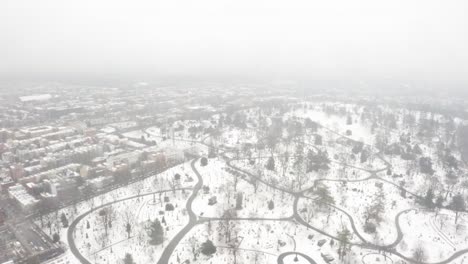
[
  {"x": 121, "y": 172},
  {"x": 37, "y": 131},
  {"x": 5, "y": 180},
  {"x": 16, "y": 172},
  {"x": 66, "y": 171},
  {"x": 22, "y": 198},
  {"x": 5, "y": 134},
  {"x": 173, "y": 156},
  {"x": 101, "y": 182},
  {"x": 130, "y": 158},
  {"x": 8, "y": 157},
  {"x": 35, "y": 98}
]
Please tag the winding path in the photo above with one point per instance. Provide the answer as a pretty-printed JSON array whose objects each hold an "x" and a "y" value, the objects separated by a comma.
[
  {"x": 164, "y": 259},
  {"x": 385, "y": 248},
  {"x": 285, "y": 254},
  {"x": 72, "y": 227},
  {"x": 194, "y": 220}
]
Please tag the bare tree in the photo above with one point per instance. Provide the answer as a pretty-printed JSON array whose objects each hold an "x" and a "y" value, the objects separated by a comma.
[
  {"x": 419, "y": 254},
  {"x": 193, "y": 242},
  {"x": 458, "y": 205},
  {"x": 344, "y": 237},
  {"x": 284, "y": 161},
  {"x": 129, "y": 219}
]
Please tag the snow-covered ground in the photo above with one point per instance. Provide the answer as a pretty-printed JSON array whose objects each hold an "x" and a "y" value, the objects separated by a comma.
[{"x": 261, "y": 190}]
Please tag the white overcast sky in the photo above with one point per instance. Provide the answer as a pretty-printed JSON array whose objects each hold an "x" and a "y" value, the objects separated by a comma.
[{"x": 335, "y": 38}]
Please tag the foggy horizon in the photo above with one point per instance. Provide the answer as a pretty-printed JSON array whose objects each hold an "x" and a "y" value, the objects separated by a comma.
[
  {"x": 233, "y": 132},
  {"x": 402, "y": 41}
]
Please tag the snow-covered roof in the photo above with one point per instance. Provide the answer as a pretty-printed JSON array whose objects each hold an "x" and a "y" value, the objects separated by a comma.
[{"x": 37, "y": 97}]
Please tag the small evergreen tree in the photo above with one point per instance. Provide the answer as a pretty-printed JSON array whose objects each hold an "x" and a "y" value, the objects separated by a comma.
[
  {"x": 344, "y": 237},
  {"x": 212, "y": 153},
  {"x": 349, "y": 120},
  {"x": 270, "y": 164},
  {"x": 64, "y": 220},
  {"x": 128, "y": 229},
  {"x": 156, "y": 233},
  {"x": 169, "y": 207},
  {"x": 318, "y": 140},
  {"x": 128, "y": 259},
  {"x": 239, "y": 199},
  {"x": 364, "y": 156},
  {"x": 457, "y": 204},
  {"x": 429, "y": 199},
  {"x": 177, "y": 177},
  {"x": 425, "y": 164},
  {"x": 55, "y": 238},
  {"x": 324, "y": 197},
  {"x": 439, "y": 201},
  {"x": 317, "y": 161},
  {"x": 207, "y": 248},
  {"x": 271, "y": 205}
]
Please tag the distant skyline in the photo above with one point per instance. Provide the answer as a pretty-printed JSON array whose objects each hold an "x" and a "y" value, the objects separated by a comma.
[{"x": 336, "y": 40}]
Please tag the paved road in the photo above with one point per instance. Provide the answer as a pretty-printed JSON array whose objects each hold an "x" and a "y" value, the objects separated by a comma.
[
  {"x": 285, "y": 254},
  {"x": 164, "y": 259},
  {"x": 386, "y": 248},
  {"x": 72, "y": 227},
  {"x": 194, "y": 220}
]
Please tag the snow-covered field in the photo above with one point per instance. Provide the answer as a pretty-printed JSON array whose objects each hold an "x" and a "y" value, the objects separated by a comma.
[{"x": 339, "y": 192}]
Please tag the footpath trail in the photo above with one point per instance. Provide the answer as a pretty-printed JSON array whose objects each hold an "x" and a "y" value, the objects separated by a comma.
[
  {"x": 285, "y": 254},
  {"x": 164, "y": 259},
  {"x": 72, "y": 227},
  {"x": 195, "y": 220},
  {"x": 390, "y": 248}
]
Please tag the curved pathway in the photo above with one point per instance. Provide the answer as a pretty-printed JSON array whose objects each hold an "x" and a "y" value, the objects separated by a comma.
[
  {"x": 386, "y": 248},
  {"x": 164, "y": 259},
  {"x": 285, "y": 254},
  {"x": 72, "y": 227},
  {"x": 375, "y": 254},
  {"x": 194, "y": 220}
]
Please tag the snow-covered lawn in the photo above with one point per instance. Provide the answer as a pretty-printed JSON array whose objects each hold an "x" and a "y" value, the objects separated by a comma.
[
  {"x": 357, "y": 198},
  {"x": 142, "y": 207},
  {"x": 224, "y": 186},
  {"x": 96, "y": 245},
  {"x": 252, "y": 242},
  {"x": 437, "y": 236}
]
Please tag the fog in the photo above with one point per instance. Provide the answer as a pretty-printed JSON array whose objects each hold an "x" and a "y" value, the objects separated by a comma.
[
  {"x": 233, "y": 131},
  {"x": 338, "y": 39}
]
